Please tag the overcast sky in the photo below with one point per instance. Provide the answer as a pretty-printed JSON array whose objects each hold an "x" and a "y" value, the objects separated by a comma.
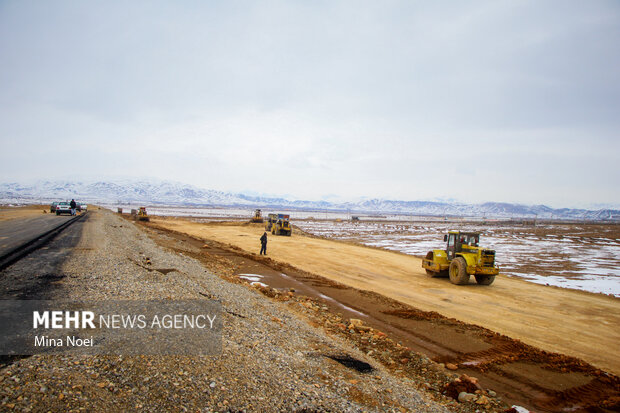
[{"x": 515, "y": 101}]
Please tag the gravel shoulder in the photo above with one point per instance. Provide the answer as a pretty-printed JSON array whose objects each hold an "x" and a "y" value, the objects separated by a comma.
[{"x": 275, "y": 357}]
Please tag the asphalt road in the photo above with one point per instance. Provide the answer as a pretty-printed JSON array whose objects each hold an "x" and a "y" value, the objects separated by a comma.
[
  {"x": 15, "y": 232},
  {"x": 37, "y": 275}
]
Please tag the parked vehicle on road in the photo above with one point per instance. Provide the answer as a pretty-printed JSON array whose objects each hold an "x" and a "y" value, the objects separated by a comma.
[
  {"x": 82, "y": 207},
  {"x": 63, "y": 208},
  {"x": 53, "y": 206}
]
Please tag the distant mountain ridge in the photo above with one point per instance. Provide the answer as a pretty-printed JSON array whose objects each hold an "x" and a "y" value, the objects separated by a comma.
[{"x": 152, "y": 192}]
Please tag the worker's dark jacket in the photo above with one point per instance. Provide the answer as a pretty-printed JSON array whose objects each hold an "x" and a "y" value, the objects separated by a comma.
[
  {"x": 72, "y": 204},
  {"x": 263, "y": 239}
]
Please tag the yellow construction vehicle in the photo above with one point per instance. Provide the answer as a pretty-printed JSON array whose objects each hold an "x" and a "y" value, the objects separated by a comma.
[
  {"x": 279, "y": 224},
  {"x": 258, "y": 216},
  {"x": 140, "y": 214},
  {"x": 462, "y": 258},
  {"x": 271, "y": 219}
]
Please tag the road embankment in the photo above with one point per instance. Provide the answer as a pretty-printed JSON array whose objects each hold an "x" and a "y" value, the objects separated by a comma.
[{"x": 569, "y": 322}]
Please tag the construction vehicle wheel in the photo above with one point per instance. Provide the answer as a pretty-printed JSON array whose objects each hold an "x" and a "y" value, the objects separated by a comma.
[
  {"x": 429, "y": 256},
  {"x": 485, "y": 279},
  {"x": 458, "y": 271}
]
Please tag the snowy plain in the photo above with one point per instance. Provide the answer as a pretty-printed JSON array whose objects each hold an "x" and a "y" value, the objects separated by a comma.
[{"x": 531, "y": 253}]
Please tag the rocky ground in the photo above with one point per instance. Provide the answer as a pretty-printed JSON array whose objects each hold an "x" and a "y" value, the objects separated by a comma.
[{"x": 280, "y": 351}]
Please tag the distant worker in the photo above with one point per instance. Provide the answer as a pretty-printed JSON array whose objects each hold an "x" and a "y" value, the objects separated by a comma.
[
  {"x": 73, "y": 205},
  {"x": 263, "y": 244}
]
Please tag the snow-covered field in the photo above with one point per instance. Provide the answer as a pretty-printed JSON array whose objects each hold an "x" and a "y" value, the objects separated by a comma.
[
  {"x": 542, "y": 254},
  {"x": 226, "y": 213}
]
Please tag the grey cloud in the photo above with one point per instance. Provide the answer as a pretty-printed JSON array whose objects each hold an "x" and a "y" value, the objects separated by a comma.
[{"x": 359, "y": 98}]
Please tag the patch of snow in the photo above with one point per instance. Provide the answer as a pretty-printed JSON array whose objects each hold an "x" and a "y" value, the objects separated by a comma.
[
  {"x": 595, "y": 284},
  {"x": 251, "y": 277},
  {"x": 351, "y": 309},
  {"x": 565, "y": 260}
]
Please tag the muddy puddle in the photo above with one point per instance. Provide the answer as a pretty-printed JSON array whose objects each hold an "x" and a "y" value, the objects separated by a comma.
[{"x": 518, "y": 373}]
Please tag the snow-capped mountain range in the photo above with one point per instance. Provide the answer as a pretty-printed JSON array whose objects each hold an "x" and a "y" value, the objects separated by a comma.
[{"x": 152, "y": 192}]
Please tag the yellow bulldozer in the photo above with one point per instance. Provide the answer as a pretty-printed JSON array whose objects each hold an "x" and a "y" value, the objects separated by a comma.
[
  {"x": 140, "y": 214},
  {"x": 462, "y": 258},
  {"x": 279, "y": 224},
  {"x": 258, "y": 216}
]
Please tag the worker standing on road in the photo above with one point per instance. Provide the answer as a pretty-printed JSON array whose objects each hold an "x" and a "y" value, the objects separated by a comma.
[
  {"x": 263, "y": 244},
  {"x": 73, "y": 205}
]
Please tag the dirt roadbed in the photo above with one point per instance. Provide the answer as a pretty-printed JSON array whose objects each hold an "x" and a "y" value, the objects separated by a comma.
[
  {"x": 575, "y": 323},
  {"x": 539, "y": 379}
]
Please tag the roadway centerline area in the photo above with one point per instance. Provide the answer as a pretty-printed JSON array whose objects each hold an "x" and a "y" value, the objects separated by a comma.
[
  {"x": 34, "y": 276},
  {"x": 16, "y": 232},
  {"x": 23, "y": 236}
]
